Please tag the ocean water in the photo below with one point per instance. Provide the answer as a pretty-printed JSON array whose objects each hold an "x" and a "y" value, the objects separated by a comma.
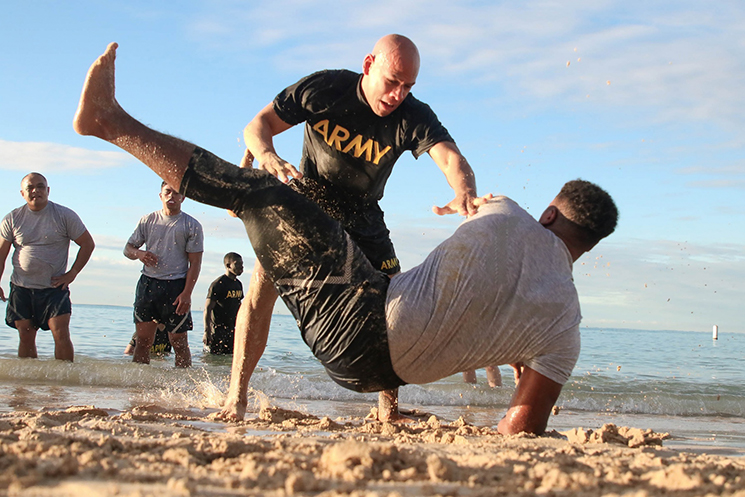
[{"x": 684, "y": 383}]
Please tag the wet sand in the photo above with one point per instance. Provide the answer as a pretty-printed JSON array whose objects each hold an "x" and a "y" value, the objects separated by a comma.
[{"x": 147, "y": 451}]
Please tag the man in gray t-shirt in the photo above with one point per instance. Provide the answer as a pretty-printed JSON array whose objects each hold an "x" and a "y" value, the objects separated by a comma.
[
  {"x": 40, "y": 233},
  {"x": 174, "y": 243}
]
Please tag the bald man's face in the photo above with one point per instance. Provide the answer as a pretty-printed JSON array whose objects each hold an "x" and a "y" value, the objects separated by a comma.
[
  {"x": 35, "y": 192},
  {"x": 388, "y": 79}
]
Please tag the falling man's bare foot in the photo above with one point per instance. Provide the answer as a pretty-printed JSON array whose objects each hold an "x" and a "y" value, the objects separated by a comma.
[{"x": 98, "y": 104}]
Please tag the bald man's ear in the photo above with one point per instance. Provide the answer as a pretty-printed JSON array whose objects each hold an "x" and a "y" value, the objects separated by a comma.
[
  {"x": 367, "y": 63},
  {"x": 549, "y": 216}
]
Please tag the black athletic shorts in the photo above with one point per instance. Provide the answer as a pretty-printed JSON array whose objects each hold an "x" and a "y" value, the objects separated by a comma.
[
  {"x": 361, "y": 218},
  {"x": 220, "y": 340},
  {"x": 161, "y": 344},
  {"x": 36, "y": 304},
  {"x": 154, "y": 302},
  {"x": 332, "y": 290}
]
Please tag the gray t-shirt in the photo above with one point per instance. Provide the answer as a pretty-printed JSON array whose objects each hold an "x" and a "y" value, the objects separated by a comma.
[
  {"x": 41, "y": 240},
  {"x": 170, "y": 238},
  {"x": 499, "y": 291}
]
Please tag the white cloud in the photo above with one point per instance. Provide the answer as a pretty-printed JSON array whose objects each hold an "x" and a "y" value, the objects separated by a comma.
[
  {"x": 662, "y": 284},
  {"x": 44, "y": 157},
  {"x": 674, "y": 61}
]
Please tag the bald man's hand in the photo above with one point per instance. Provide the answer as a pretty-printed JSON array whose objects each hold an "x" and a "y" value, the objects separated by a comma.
[{"x": 466, "y": 205}]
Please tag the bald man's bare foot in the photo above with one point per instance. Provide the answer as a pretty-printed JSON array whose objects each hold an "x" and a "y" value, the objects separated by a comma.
[
  {"x": 98, "y": 109},
  {"x": 233, "y": 410}
]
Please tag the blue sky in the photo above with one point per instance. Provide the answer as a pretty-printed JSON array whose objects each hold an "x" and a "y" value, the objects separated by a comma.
[{"x": 643, "y": 98}]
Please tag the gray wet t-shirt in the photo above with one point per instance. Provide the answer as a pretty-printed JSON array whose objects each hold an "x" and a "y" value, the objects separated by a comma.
[
  {"x": 41, "y": 242},
  {"x": 170, "y": 238},
  {"x": 499, "y": 291}
]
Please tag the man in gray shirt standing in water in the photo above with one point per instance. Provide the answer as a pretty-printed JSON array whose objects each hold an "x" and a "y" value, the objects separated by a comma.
[
  {"x": 170, "y": 267},
  {"x": 40, "y": 232},
  {"x": 499, "y": 291}
]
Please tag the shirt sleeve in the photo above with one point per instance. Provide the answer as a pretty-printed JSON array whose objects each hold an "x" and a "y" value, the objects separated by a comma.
[
  {"x": 6, "y": 229},
  {"x": 426, "y": 129},
  {"x": 296, "y": 103},
  {"x": 559, "y": 363},
  {"x": 214, "y": 291},
  {"x": 137, "y": 239},
  {"x": 73, "y": 224},
  {"x": 195, "y": 243}
]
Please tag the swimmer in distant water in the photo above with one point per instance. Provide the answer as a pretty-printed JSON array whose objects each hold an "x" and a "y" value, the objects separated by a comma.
[
  {"x": 40, "y": 232},
  {"x": 499, "y": 291},
  {"x": 170, "y": 267}
]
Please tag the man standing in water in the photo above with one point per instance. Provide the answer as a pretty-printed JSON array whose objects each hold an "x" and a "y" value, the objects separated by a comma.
[
  {"x": 356, "y": 128},
  {"x": 463, "y": 308},
  {"x": 170, "y": 268},
  {"x": 221, "y": 308},
  {"x": 40, "y": 232}
]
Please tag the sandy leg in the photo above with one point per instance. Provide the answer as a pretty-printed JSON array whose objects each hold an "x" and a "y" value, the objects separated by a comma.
[
  {"x": 100, "y": 115},
  {"x": 98, "y": 107}
]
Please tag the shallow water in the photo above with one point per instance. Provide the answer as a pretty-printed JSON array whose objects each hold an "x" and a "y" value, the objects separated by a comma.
[{"x": 679, "y": 382}]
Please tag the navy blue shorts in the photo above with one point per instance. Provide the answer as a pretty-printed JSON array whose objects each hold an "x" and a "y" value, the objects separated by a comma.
[
  {"x": 154, "y": 302},
  {"x": 36, "y": 304}
]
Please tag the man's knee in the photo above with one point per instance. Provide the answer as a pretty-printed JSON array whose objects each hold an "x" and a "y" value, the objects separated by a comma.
[
  {"x": 261, "y": 291},
  {"x": 60, "y": 326},
  {"x": 179, "y": 341},
  {"x": 145, "y": 335},
  {"x": 25, "y": 327}
]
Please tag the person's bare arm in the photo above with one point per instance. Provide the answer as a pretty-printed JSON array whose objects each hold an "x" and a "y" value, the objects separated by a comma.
[
  {"x": 136, "y": 254},
  {"x": 259, "y": 136},
  {"x": 209, "y": 305},
  {"x": 183, "y": 301},
  {"x": 531, "y": 404},
  {"x": 86, "y": 244},
  {"x": 4, "y": 251},
  {"x": 460, "y": 177}
]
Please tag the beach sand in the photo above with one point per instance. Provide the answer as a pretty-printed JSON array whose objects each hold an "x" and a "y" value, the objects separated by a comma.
[{"x": 147, "y": 451}]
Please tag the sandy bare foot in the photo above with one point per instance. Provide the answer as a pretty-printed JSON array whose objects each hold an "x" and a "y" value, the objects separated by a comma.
[
  {"x": 231, "y": 411},
  {"x": 97, "y": 103}
]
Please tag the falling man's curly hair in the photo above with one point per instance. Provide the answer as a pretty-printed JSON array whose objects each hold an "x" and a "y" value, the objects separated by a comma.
[{"x": 590, "y": 208}]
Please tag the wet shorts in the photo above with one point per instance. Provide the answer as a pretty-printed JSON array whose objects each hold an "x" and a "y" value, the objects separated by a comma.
[
  {"x": 336, "y": 296},
  {"x": 161, "y": 343},
  {"x": 36, "y": 304},
  {"x": 362, "y": 219},
  {"x": 154, "y": 302},
  {"x": 220, "y": 340}
]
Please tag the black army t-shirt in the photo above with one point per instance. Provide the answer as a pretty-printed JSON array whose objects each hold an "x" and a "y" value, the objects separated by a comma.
[
  {"x": 346, "y": 143},
  {"x": 226, "y": 293}
]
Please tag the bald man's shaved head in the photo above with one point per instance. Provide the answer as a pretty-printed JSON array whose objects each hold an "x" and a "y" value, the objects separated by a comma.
[
  {"x": 31, "y": 175},
  {"x": 35, "y": 191},
  {"x": 398, "y": 46},
  {"x": 389, "y": 73}
]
